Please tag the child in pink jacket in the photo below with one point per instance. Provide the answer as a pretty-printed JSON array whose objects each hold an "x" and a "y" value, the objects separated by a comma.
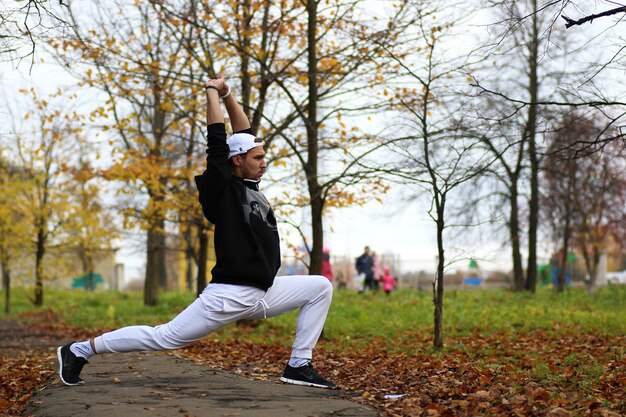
[{"x": 389, "y": 283}]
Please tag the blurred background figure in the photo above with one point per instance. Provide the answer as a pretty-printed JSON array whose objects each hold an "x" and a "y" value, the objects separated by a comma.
[
  {"x": 377, "y": 271},
  {"x": 365, "y": 269},
  {"x": 388, "y": 281},
  {"x": 327, "y": 269}
]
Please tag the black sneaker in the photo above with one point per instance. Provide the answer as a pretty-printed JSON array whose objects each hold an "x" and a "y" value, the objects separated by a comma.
[
  {"x": 70, "y": 365},
  {"x": 305, "y": 375}
]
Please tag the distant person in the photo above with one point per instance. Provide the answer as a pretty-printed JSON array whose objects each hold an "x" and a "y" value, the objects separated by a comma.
[
  {"x": 376, "y": 270},
  {"x": 388, "y": 281},
  {"x": 364, "y": 267},
  {"x": 327, "y": 269},
  {"x": 244, "y": 284}
]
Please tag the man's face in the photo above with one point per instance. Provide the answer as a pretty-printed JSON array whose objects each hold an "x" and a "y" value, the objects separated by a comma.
[{"x": 253, "y": 164}]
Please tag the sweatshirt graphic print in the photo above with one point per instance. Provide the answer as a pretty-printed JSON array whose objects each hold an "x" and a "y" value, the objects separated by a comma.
[{"x": 257, "y": 211}]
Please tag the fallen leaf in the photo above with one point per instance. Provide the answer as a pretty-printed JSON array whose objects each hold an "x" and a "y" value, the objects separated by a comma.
[
  {"x": 482, "y": 394},
  {"x": 559, "y": 412}
]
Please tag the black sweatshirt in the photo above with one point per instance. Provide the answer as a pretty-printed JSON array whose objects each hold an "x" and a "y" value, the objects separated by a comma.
[{"x": 247, "y": 245}]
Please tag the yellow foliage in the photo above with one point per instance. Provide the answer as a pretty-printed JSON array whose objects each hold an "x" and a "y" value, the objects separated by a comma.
[
  {"x": 329, "y": 63},
  {"x": 280, "y": 163},
  {"x": 303, "y": 78},
  {"x": 167, "y": 106}
]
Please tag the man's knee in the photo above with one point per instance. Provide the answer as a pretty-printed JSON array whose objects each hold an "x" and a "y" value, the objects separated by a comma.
[
  {"x": 168, "y": 339},
  {"x": 323, "y": 285}
]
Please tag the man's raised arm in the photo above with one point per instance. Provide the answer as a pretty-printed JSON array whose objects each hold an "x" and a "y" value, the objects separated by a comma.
[
  {"x": 238, "y": 119},
  {"x": 213, "y": 110}
]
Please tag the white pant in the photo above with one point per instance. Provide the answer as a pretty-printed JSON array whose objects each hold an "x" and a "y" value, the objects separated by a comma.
[{"x": 220, "y": 304}]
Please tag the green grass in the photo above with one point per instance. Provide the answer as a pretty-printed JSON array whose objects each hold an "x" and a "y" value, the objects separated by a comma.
[
  {"x": 503, "y": 310},
  {"x": 361, "y": 318},
  {"x": 102, "y": 308}
]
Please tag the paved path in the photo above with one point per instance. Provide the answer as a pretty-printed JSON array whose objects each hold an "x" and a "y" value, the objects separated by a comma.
[{"x": 158, "y": 384}]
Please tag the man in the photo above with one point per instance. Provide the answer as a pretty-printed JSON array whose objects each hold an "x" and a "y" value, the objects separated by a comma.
[
  {"x": 365, "y": 265},
  {"x": 244, "y": 283}
]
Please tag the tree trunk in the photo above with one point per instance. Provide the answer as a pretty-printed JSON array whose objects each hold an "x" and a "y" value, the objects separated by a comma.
[
  {"x": 317, "y": 250},
  {"x": 39, "y": 254},
  {"x": 514, "y": 230},
  {"x": 438, "y": 283},
  {"x": 531, "y": 278},
  {"x": 560, "y": 278},
  {"x": 189, "y": 269},
  {"x": 187, "y": 237},
  {"x": 91, "y": 271},
  {"x": 88, "y": 271},
  {"x": 156, "y": 236},
  {"x": 6, "y": 284},
  {"x": 246, "y": 82},
  {"x": 151, "y": 284},
  {"x": 156, "y": 263},
  {"x": 596, "y": 269},
  {"x": 161, "y": 259},
  {"x": 315, "y": 191},
  {"x": 201, "y": 279},
  {"x": 560, "y": 287},
  {"x": 593, "y": 270}
]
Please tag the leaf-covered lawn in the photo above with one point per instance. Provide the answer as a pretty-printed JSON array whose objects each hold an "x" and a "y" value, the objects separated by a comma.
[
  {"x": 25, "y": 357},
  {"x": 502, "y": 375},
  {"x": 20, "y": 377},
  {"x": 505, "y": 354},
  {"x": 539, "y": 373}
]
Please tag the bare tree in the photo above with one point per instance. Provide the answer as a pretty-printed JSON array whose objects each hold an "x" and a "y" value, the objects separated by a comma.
[
  {"x": 561, "y": 168},
  {"x": 502, "y": 141},
  {"x": 24, "y": 23},
  {"x": 600, "y": 198},
  {"x": 435, "y": 151},
  {"x": 592, "y": 64},
  {"x": 515, "y": 116},
  {"x": 585, "y": 193}
]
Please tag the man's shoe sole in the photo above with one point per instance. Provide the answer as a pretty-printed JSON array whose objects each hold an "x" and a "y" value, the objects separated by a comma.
[
  {"x": 303, "y": 383},
  {"x": 59, "y": 356}
]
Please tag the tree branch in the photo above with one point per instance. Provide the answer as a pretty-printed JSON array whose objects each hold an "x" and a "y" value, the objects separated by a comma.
[{"x": 571, "y": 22}]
